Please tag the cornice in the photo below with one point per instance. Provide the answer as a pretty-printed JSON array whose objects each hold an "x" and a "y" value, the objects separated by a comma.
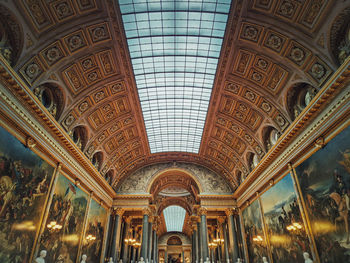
[{"x": 49, "y": 133}]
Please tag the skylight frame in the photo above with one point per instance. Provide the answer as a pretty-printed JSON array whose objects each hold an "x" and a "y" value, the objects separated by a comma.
[{"x": 174, "y": 48}]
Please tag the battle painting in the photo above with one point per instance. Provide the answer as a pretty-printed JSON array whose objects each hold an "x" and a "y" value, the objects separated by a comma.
[
  {"x": 95, "y": 229},
  {"x": 254, "y": 234},
  {"x": 325, "y": 184},
  {"x": 285, "y": 226},
  {"x": 24, "y": 184},
  {"x": 64, "y": 225}
]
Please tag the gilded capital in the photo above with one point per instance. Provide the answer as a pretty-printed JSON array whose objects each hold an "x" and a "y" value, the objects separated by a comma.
[
  {"x": 229, "y": 211},
  {"x": 127, "y": 219},
  {"x": 202, "y": 211},
  {"x": 146, "y": 211},
  {"x": 221, "y": 220},
  {"x": 119, "y": 211}
]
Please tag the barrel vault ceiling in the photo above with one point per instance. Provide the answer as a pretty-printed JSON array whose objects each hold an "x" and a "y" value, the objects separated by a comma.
[{"x": 269, "y": 46}]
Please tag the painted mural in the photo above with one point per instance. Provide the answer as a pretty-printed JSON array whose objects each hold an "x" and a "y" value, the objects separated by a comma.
[
  {"x": 64, "y": 225},
  {"x": 24, "y": 184},
  {"x": 254, "y": 235},
  {"x": 95, "y": 229},
  {"x": 285, "y": 226},
  {"x": 325, "y": 184}
]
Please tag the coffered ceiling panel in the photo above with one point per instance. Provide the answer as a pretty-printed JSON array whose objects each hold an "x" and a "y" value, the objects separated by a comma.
[{"x": 83, "y": 49}]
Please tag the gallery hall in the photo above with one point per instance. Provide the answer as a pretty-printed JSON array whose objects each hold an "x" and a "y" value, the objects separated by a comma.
[{"x": 175, "y": 131}]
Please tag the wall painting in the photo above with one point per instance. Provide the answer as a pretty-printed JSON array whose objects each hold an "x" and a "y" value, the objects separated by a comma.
[
  {"x": 68, "y": 208},
  {"x": 324, "y": 180},
  {"x": 94, "y": 233},
  {"x": 24, "y": 184},
  {"x": 254, "y": 234},
  {"x": 285, "y": 225}
]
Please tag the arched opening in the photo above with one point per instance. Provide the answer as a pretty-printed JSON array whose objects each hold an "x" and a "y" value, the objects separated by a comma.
[
  {"x": 270, "y": 136},
  {"x": 51, "y": 96},
  {"x": 298, "y": 97},
  {"x": 109, "y": 176},
  {"x": 79, "y": 136},
  {"x": 97, "y": 159},
  {"x": 11, "y": 36}
]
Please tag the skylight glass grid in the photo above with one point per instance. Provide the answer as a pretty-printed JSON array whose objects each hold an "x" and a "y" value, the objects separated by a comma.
[
  {"x": 174, "y": 218},
  {"x": 174, "y": 48}
]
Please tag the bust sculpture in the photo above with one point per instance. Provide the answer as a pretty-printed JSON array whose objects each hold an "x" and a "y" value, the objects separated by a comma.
[
  {"x": 141, "y": 260},
  {"x": 41, "y": 257},
  {"x": 239, "y": 260},
  {"x": 83, "y": 258},
  {"x": 265, "y": 260},
  {"x": 110, "y": 260},
  {"x": 307, "y": 257},
  {"x": 207, "y": 260}
]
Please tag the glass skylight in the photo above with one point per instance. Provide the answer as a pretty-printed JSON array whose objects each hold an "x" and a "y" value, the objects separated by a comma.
[
  {"x": 174, "y": 218},
  {"x": 174, "y": 48}
]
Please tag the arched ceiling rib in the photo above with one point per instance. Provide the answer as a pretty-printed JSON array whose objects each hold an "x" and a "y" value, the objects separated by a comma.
[{"x": 81, "y": 46}]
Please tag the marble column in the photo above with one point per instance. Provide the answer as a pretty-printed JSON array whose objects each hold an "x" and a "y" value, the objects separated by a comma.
[
  {"x": 227, "y": 257},
  {"x": 144, "y": 242},
  {"x": 232, "y": 234},
  {"x": 183, "y": 256},
  {"x": 199, "y": 248},
  {"x": 150, "y": 242},
  {"x": 118, "y": 213},
  {"x": 203, "y": 233},
  {"x": 125, "y": 234},
  {"x": 154, "y": 246}
]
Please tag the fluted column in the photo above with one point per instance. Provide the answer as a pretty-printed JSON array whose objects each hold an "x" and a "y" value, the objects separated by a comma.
[
  {"x": 118, "y": 213},
  {"x": 166, "y": 255},
  {"x": 232, "y": 234},
  {"x": 203, "y": 233},
  {"x": 144, "y": 242}
]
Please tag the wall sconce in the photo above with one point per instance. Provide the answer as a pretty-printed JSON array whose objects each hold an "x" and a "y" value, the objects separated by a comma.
[
  {"x": 90, "y": 238},
  {"x": 136, "y": 245},
  {"x": 212, "y": 245},
  {"x": 258, "y": 239},
  {"x": 219, "y": 241},
  {"x": 129, "y": 241},
  {"x": 53, "y": 226},
  {"x": 294, "y": 227}
]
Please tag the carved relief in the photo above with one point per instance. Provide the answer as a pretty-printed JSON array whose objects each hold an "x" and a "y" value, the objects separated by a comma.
[
  {"x": 250, "y": 32},
  {"x": 75, "y": 41},
  {"x": 99, "y": 32},
  {"x": 53, "y": 53},
  {"x": 62, "y": 10},
  {"x": 318, "y": 70},
  {"x": 274, "y": 41},
  {"x": 297, "y": 53},
  {"x": 32, "y": 70}
]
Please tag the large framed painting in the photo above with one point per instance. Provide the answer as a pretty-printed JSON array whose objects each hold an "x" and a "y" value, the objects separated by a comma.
[
  {"x": 24, "y": 184},
  {"x": 324, "y": 181},
  {"x": 94, "y": 233},
  {"x": 254, "y": 234},
  {"x": 65, "y": 221},
  {"x": 285, "y": 226}
]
